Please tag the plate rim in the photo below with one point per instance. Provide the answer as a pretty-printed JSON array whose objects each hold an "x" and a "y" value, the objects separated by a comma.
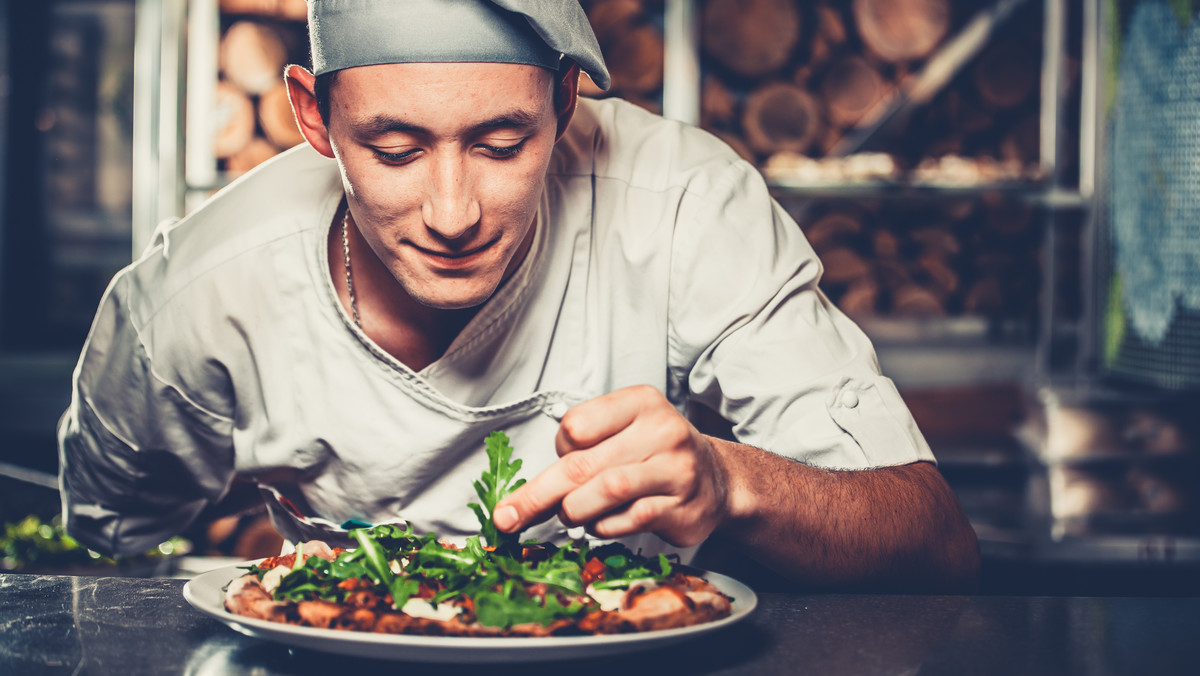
[{"x": 451, "y": 648}]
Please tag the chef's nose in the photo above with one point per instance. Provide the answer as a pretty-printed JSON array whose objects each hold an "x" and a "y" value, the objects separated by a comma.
[{"x": 450, "y": 208}]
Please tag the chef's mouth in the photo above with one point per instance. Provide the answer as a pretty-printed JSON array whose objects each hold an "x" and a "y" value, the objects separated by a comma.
[{"x": 455, "y": 255}]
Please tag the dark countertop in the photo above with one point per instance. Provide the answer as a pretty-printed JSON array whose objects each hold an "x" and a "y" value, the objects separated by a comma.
[{"x": 130, "y": 626}]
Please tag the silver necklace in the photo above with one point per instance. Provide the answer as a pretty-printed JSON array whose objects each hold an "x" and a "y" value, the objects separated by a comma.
[{"x": 349, "y": 279}]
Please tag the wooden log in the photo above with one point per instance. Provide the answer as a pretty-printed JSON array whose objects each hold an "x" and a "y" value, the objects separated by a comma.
[
  {"x": 781, "y": 116},
  {"x": 913, "y": 300},
  {"x": 278, "y": 122},
  {"x": 885, "y": 244},
  {"x": 610, "y": 18},
  {"x": 751, "y": 37},
  {"x": 252, "y": 55},
  {"x": 891, "y": 273},
  {"x": 936, "y": 276},
  {"x": 802, "y": 75},
  {"x": 902, "y": 30},
  {"x": 256, "y": 152},
  {"x": 1022, "y": 143},
  {"x": 635, "y": 61},
  {"x": 718, "y": 106},
  {"x": 234, "y": 120},
  {"x": 259, "y": 539},
  {"x": 832, "y": 230},
  {"x": 829, "y": 36},
  {"x": 850, "y": 88},
  {"x": 935, "y": 241},
  {"x": 1006, "y": 73},
  {"x": 290, "y": 10},
  {"x": 861, "y": 299},
  {"x": 843, "y": 266},
  {"x": 985, "y": 298},
  {"x": 218, "y": 532}
]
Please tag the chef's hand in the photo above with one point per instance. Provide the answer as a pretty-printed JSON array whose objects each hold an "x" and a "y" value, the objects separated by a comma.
[{"x": 628, "y": 463}]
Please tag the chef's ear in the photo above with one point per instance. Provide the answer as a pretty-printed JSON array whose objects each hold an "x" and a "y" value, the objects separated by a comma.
[
  {"x": 301, "y": 88},
  {"x": 566, "y": 93}
]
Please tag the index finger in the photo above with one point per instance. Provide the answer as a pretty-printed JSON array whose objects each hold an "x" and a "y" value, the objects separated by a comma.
[
  {"x": 595, "y": 420},
  {"x": 538, "y": 499},
  {"x": 583, "y": 429}
]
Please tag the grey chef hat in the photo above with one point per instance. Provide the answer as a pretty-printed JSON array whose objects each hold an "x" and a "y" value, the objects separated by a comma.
[{"x": 348, "y": 33}]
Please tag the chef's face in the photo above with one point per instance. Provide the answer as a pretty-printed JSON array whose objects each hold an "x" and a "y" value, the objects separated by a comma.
[{"x": 444, "y": 166}]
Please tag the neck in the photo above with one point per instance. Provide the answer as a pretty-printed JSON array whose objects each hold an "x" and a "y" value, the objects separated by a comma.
[{"x": 415, "y": 334}]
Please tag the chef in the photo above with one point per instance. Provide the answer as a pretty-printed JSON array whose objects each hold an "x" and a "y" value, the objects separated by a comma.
[{"x": 463, "y": 246}]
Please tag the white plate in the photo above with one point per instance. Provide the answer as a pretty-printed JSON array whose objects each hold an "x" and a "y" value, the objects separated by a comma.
[{"x": 206, "y": 593}]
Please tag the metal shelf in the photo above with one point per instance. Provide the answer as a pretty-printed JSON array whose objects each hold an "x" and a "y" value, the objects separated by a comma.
[{"x": 1038, "y": 194}]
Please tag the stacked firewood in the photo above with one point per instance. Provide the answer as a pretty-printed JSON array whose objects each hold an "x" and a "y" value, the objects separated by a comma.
[
  {"x": 965, "y": 257},
  {"x": 253, "y": 116},
  {"x": 631, "y": 39},
  {"x": 793, "y": 77},
  {"x": 788, "y": 82}
]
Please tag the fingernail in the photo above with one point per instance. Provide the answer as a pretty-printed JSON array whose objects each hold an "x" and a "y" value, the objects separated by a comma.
[{"x": 505, "y": 517}]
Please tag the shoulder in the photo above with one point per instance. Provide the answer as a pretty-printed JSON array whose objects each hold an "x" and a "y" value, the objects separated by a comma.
[
  {"x": 612, "y": 140},
  {"x": 280, "y": 200},
  {"x": 277, "y": 198}
]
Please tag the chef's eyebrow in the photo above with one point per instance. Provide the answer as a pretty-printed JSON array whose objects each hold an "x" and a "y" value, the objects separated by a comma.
[{"x": 382, "y": 124}]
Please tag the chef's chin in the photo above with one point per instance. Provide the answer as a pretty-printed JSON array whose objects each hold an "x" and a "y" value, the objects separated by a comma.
[{"x": 453, "y": 294}]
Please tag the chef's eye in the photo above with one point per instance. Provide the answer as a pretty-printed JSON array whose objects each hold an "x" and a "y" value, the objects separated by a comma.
[
  {"x": 395, "y": 158},
  {"x": 503, "y": 152}
]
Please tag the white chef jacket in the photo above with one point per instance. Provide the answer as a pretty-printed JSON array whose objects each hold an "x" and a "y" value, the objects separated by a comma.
[{"x": 659, "y": 258}]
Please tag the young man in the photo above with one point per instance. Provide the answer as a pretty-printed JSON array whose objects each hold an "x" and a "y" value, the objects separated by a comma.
[{"x": 464, "y": 246}]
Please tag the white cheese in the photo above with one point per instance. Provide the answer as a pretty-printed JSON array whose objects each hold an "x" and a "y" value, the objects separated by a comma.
[
  {"x": 424, "y": 609},
  {"x": 273, "y": 577}
]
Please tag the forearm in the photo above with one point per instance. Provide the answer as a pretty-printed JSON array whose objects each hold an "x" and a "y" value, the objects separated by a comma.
[{"x": 895, "y": 527}]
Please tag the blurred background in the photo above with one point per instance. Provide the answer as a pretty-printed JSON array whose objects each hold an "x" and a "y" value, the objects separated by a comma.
[{"x": 1003, "y": 192}]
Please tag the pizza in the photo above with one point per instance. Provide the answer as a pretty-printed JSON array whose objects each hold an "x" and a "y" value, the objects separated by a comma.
[{"x": 398, "y": 582}]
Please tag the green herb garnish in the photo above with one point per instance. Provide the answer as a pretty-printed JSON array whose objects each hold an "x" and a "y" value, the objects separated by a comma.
[
  {"x": 496, "y": 483},
  {"x": 506, "y": 586}
]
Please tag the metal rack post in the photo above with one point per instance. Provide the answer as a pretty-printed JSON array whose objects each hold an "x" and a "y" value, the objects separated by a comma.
[
  {"x": 158, "y": 63},
  {"x": 681, "y": 66}
]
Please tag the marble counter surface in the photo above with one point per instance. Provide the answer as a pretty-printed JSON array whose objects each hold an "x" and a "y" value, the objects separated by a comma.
[{"x": 129, "y": 626}]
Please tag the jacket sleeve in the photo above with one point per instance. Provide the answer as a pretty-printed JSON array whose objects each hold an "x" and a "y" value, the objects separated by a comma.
[
  {"x": 139, "y": 458},
  {"x": 757, "y": 341}
]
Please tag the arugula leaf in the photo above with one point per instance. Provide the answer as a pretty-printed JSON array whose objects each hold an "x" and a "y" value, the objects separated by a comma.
[
  {"x": 620, "y": 571},
  {"x": 403, "y": 589},
  {"x": 375, "y": 559},
  {"x": 496, "y": 483},
  {"x": 312, "y": 579},
  {"x": 556, "y": 571},
  {"x": 511, "y": 605}
]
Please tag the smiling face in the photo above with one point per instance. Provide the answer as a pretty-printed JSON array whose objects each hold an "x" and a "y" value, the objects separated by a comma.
[{"x": 444, "y": 167}]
